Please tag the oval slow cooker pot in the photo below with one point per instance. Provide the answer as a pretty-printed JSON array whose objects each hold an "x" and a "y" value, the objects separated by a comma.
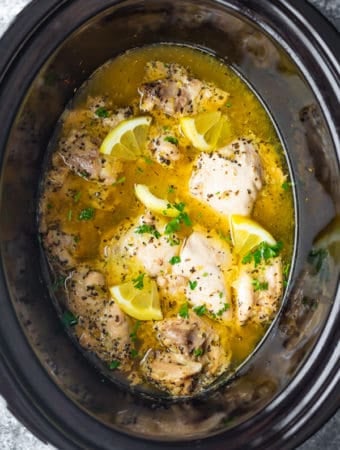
[{"x": 289, "y": 387}]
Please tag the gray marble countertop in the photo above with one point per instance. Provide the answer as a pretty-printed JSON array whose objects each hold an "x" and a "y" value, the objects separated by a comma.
[{"x": 13, "y": 435}]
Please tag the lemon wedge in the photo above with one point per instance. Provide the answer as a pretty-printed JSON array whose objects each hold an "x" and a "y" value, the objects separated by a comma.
[
  {"x": 127, "y": 140},
  {"x": 155, "y": 204},
  {"x": 205, "y": 130},
  {"x": 141, "y": 303},
  {"x": 246, "y": 234}
]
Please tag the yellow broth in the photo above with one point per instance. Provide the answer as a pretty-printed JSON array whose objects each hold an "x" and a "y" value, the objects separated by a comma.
[{"x": 115, "y": 205}]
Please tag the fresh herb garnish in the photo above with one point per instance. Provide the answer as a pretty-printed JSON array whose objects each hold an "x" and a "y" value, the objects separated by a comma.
[
  {"x": 192, "y": 284},
  {"x": 228, "y": 105},
  {"x": 259, "y": 286},
  {"x": 175, "y": 260},
  {"x": 225, "y": 308},
  {"x": 102, "y": 112},
  {"x": 198, "y": 352},
  {"x": 205, "y": 274},
  {"x": 114, "y": 364},
  {"x": 69, "y": 215},
  {"x": 171, "y": 189},
  {"x": 171, "y": 139},
  {"x": 133, "y": 334},
  {"x": 286, "y": 185},
  {"x": 175, "y": 224},
  {"x": 200, "y": 310},
  {"x": 220, "y": 294},
  {"x": 138, "y": 282},
  {"x": 120, "y": 180},
  {"x": 58, "y": 283},
  {"x": 263, "y": 251},
  {"x": 147, "y": 160},
  {"x": 133, "y": 353},
  {"x": 173, "y": 241},
  {"x": 76, "y": 196},
  {"x": 69, "y": 319},
  {"x": 184, "y": 311},
  {"x": 86, "y": 213},
  {"x": 151, "y": 229}
]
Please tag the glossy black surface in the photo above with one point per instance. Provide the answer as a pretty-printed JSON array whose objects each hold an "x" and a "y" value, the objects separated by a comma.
[{"x": 289, "y": 386}]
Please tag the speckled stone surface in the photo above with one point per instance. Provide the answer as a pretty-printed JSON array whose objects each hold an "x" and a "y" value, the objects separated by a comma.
[{"x": 13, "y": 435}]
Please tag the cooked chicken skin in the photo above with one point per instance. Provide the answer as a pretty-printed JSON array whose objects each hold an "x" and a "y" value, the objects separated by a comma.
[
  {"x": 203, "y": 260},
  {"x": 80, "y": 152},
  {"x": 258, "y": 291},
  {"x": 193, "y": 354},
  {"x": 229, "y": 179},
  {"x": 60, "y": 247},
  {"x": 170, "y": 89}
]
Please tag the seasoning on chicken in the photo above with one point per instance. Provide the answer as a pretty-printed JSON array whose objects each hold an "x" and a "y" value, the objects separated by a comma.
[
  {"x": 203, "y": 262},
  {"x": 229, "y": 179},
  {"x": 165, "y": 149},
  {"x": 173, "y": 91},
  {"x": 258, "y": 291},
  {"x": 60, "y": 247},
  {"x": 102, "y": 327}
]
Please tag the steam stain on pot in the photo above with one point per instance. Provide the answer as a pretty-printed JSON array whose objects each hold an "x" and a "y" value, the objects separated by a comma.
[{"x": 166, "y": 215}]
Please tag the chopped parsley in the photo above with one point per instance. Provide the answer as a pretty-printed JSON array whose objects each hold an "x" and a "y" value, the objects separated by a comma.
[
  {"x": 133, "y": 353},
  {"x": 171, "y": 139},
  {"x": 200, "y": 310},
  {"x": 76, "y": 196},
  {"x": 198, "y": 352},
  {"x": 173, "y": 241},
  {"x": 133, "y": 334},
  {"x": 220, "y": 294},
  {"x": 171, "y": 189},
  {"x": 192, "y": 285},
  {"x": 263, "y": 252},
  {"x": 175, "y": 260},
  {"x": 69, "y": 319},
  {"x": 69, "y": 215},
  {"x": 59, "y": 282},
  {"x": 228, "y": 105},
  {"x": 225, "y": 308},
  {"x": 102, "y": 112},
  {"x": 150, "y": 229},
  {"x": 259, "y": 286},
  {"x": 175, "y": 224},
  {"x": 286, "y": 185},
  {"x": 86, "y": 213},
  {"x": 184, "y": 311},
  {"x": 114, "y": 364},
  {"x": 138, "y": 282},
  {"x": 147, "y": 160},
  {"x": 120, "y": 180}
]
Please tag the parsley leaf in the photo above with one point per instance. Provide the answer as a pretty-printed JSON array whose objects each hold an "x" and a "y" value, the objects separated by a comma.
[
  {"x": 198, "y": 352},
  {"x": 175, "y": 260},
  {"x": 114, "y": 364},
  {"x": 171, "y": 189},
  {"x": 76, "y": 196},
  {"x": 86, "y": 213},
  {"x": 263, "y": 252},
  {"x": 69, "y": 319},
  {"x": 184, "y": 311},
  {"x": 171, "y": 139},
  {"x": 133, "y": 334},
  {"x": 286, "y": 185},
  {"x": 200, "y": 310},
  {"x": 151, "y": 229},
  {"x": 69, "y": 215},
  {"x": 138, "y": 282},
  {"x": 192, "y": 284},
  {"x": 225, "y": 308},
  {"x": 120, "y": 180},
  {"x": 102, "y": 112},
  {"x": 133, "y": 353},
  {"x": 259, "y": 286}
]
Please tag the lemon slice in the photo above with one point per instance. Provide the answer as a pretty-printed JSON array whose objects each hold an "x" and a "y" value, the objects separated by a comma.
[
  {"x": 205, "y": 130},
  {"x": 141, "y": 304},
  {"x": 246, "y": 234},
  {"x": 153, "y": 203},
  {"x": 127, "y": 140}
]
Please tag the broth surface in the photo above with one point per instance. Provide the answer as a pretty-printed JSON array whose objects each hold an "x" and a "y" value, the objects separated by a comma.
[{"x": 83, "y": 221}]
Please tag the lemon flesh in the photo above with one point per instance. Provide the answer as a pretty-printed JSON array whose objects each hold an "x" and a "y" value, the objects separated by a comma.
[
  {"x": 205, "y": 130},
  {"x": 246, "y": 234},
  {"x": 153, "y": 203},
  {"x": 127, "y": 140},
  {"x": 141, "y": 304}
]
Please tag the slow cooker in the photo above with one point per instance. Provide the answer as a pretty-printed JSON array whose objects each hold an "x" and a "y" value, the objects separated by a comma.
[{"x": 290, "y": 385}]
